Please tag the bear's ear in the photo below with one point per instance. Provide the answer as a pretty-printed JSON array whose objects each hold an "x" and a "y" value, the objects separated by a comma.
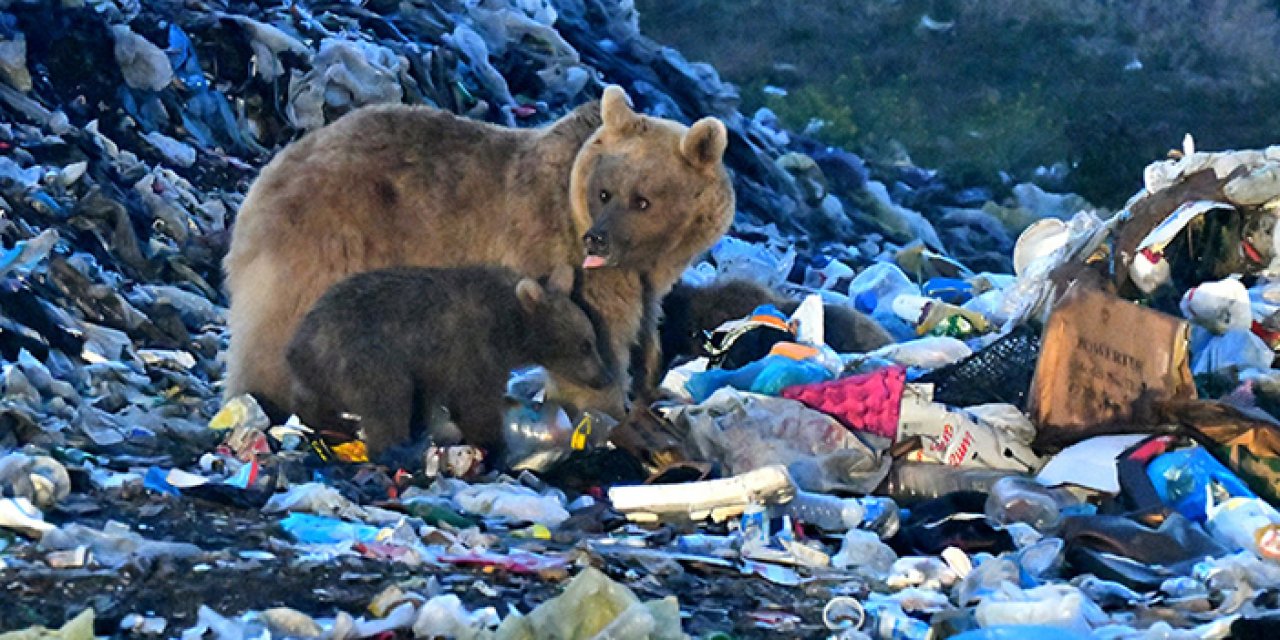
[
  {"x": 561, "y": 279},
  {"x": 704, "y": 144},
  {"x": 615, "y": 109},
  {"x": 530, "y": 295}
]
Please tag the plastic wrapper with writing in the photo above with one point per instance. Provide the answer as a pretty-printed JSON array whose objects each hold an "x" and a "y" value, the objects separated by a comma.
[{"x": 747, "y": 431}]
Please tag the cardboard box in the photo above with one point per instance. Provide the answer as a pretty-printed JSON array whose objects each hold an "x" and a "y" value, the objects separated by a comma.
[{"x": 1103, "y": 360}]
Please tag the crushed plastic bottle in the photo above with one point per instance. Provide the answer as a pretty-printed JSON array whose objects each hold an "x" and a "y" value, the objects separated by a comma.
[
  {"x": 986, "y": 578},
  {"x": 1041, "y": 559},
  {"x": 887, "y": 621},
  {"x": 1055, "y": 605},
  {"x": 910, "y": 482},
  {"x": 531, "y": 431},
  {"x": 1020, "y": 499},
  {"x": 754, "y": 527},
  {"x": 864, "y": 551},
  {"x": 922, "y": 571},
  {"x": 831, "y": 513}
]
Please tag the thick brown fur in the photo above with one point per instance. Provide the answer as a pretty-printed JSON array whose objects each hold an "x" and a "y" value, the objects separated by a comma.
[
  {"x": 688, "y": 311},
  {"x": 402, "y": 185},
  {"x": 389, "y": 343}
]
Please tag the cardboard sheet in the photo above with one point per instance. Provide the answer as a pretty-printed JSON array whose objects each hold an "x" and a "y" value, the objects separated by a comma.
[{"x": 1103, "y": 361}]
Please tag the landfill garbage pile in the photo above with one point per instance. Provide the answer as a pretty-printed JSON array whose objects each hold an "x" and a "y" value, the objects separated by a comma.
[{"x": 1072, "y": 432}]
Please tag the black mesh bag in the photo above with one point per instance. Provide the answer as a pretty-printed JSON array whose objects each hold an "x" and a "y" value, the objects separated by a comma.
[{"x": 1001, "y": 372}]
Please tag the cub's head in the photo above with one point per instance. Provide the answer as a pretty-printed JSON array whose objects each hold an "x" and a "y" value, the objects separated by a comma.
[
  {"x": 561, "y": 336},
  {"x": 649, "y": 191}
]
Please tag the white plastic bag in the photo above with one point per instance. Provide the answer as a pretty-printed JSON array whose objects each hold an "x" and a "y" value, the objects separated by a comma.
[
  {"x": 877, "y": 286},
  {"x": 766, "y": 264}
]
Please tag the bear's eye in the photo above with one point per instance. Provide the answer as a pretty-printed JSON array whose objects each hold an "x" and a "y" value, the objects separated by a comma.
[
  {"x": 604, "y": 196},
  {"x": 642, "y": 203}
]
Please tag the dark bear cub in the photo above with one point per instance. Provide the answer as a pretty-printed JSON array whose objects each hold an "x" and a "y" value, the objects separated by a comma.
[{"x": 381, "y": 348}]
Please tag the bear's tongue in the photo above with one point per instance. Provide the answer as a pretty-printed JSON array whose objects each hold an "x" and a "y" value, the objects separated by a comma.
[{"x": 593, "y": 262}]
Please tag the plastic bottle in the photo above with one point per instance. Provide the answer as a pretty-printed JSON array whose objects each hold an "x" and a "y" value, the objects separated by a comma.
[
  {"x": 887, "y": 621},
  {"x": 876, "y": 287},
  {"x": 1022, "y": 499},
  {"x": 986, "y": 578},
  {"x": 910, "y": 482},
  {"x": 831, "y": 513},
  {"x": 754, "y": 526},
  {"x": 1056, "y": 605},
  {"x": 538, "y": 436},
  {"x": 864, "y": 552},
  {"x": 704, "y": 544},
  {"x": 1042, "y": 558}
]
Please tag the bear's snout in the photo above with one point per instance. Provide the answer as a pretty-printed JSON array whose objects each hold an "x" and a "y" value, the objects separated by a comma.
[
  {"x": 602, "y": 379},
  {"x": 596, "y": 243}
]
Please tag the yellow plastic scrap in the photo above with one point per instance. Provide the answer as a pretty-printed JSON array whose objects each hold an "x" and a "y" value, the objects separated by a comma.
[
  {"x": 593, "y": 606},
  {"x": 537, "y": 532},
  {"x": 240, "y": 410},
  {"x": 353, "y": 451},
  {"x": 78, "y": 628},
  {"x": 578, "y": 441},
  {"x": 390, "y": 598}
]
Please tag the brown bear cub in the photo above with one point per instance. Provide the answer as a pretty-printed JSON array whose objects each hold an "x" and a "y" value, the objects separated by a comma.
[
  {"x": 390, "y": 344},
  {"x": 688, "y": 311}
]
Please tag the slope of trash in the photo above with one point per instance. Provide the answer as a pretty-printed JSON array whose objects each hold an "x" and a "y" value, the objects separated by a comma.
[{"x": 1032, "y": 449}]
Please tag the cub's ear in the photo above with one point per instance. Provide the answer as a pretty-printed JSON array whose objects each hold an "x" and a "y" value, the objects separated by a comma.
[
  {"x": 704, "y": 144},
  {"x": 530, "y": 294},
  {"x": 561, "y": 279},
  {"x": 615, "y": 109}
]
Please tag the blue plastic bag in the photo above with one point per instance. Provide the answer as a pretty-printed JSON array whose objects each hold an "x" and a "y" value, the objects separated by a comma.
[
  {"x": 1180, "y": 478},
  {"x": 769, "y": 376}
]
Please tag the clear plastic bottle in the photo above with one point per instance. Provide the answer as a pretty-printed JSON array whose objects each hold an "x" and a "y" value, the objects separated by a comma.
[
  {"x": 910, "y": 482},
  {"x": 831, "y": 513},
  {"x": 1022, "y": 499},
  {"x": 536, "y": 436}
]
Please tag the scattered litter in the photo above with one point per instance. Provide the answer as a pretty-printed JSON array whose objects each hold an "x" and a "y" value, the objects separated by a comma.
[{"x": 1074, "y": 431}]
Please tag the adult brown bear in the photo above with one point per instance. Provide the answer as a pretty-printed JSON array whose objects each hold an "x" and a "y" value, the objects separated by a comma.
[{"x": 631, "y": 197}]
